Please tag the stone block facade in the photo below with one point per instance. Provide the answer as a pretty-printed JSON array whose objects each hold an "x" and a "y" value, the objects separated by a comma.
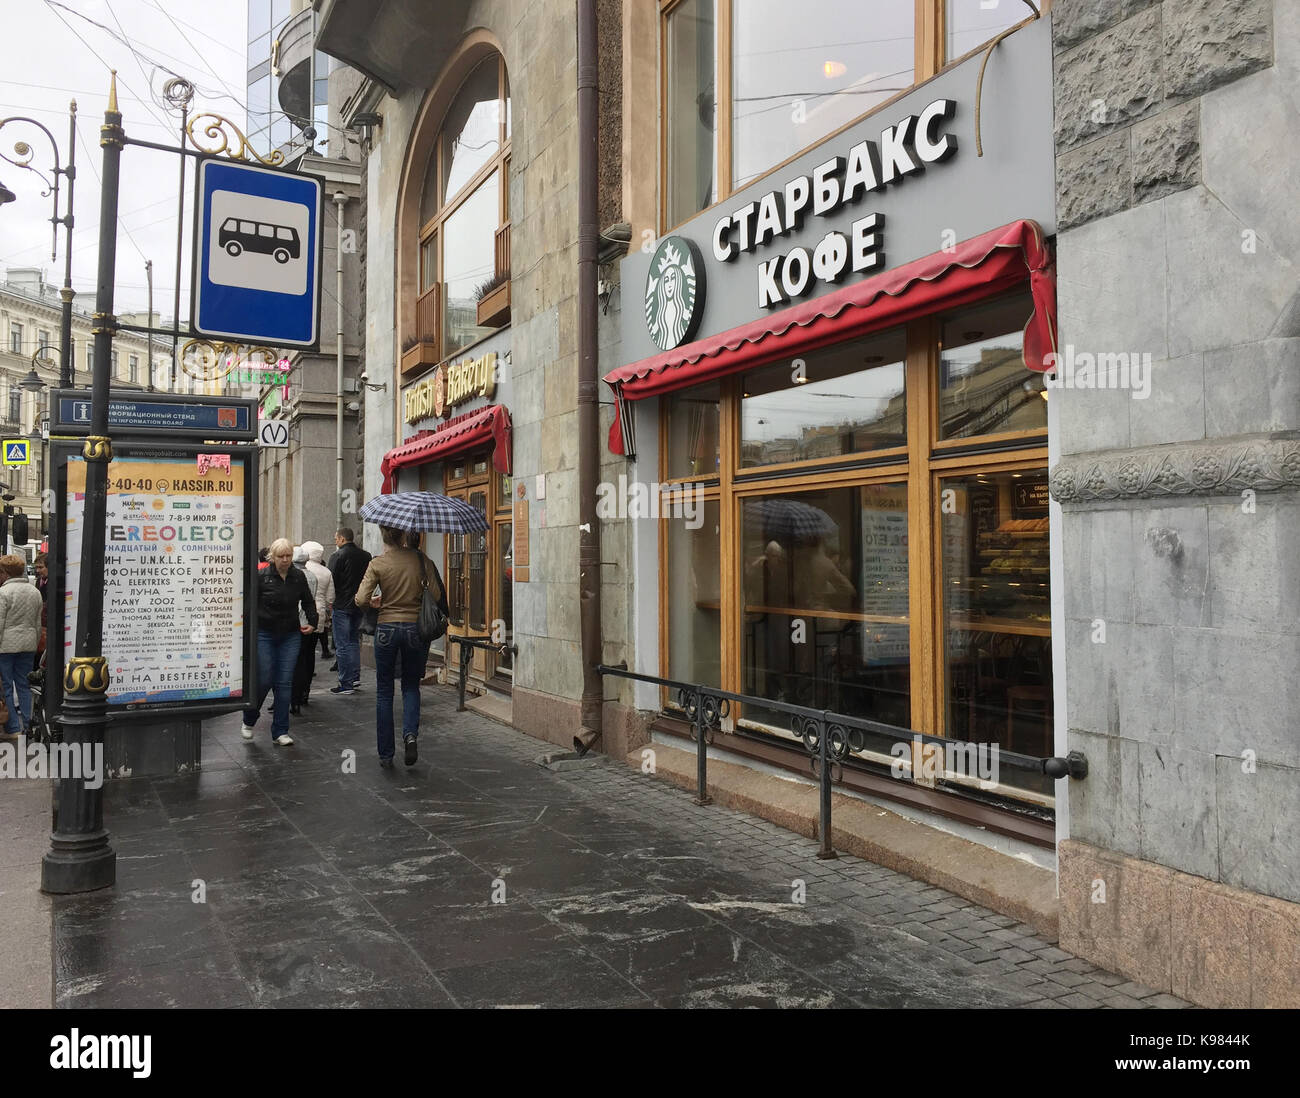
[
  {"x": 1175, "y": 124},
  {"x": 1129, "y": 74}
]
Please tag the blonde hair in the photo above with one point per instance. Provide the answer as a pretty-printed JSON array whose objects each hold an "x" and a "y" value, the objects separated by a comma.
[
  {"x": 279, "y": 546},
  {"x": 14, "y": 565}
]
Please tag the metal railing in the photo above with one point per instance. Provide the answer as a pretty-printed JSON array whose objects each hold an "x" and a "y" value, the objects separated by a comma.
[
  {"x": 828, "y": 737},
  {"x": 467, "y": 646}
]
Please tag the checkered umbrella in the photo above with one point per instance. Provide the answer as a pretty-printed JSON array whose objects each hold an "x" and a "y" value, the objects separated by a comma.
[
  {"x": 424, "y": 511},
  {"x": 791, "y": 520}
]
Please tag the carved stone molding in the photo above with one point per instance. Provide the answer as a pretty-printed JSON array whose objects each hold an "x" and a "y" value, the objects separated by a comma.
[{"x": 1196, "y": 469}]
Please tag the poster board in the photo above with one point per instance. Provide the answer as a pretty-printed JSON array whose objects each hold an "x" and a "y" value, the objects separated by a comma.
[{"x": 179, "y": 620}]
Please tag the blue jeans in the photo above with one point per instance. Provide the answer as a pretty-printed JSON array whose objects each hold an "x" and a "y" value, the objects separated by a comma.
[
  {"x": 13, "y": 676},
  {"x": 398, "y": 644},
  {"x": 347, "y": 645},
  {"x": 276, "y": 659}
]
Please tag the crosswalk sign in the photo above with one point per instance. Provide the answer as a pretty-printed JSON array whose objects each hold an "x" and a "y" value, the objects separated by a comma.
[{"x": 18, "y": 451}]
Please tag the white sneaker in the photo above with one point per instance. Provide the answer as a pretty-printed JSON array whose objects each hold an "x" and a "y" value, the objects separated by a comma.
[
  {"x": 284, "y": 741},
  {"x": 246, "y": 732}
]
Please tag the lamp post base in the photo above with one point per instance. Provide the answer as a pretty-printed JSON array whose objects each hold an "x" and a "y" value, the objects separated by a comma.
[{"x": 80, "y": 863}]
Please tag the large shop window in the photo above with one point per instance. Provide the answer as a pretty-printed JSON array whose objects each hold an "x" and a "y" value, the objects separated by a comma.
[
  {"x": 464, "y": 249},
  {"x": 748, "y": 84},
  {"x": 874, "y": 540}
]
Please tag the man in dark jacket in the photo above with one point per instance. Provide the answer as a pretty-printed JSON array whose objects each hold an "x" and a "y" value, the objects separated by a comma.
[
  {"x": 281, "y": 591},
  {"x": 347, "y": 565}
]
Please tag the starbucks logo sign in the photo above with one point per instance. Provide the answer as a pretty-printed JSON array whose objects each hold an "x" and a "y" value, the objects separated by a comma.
[{"x": 674, "y": 292}]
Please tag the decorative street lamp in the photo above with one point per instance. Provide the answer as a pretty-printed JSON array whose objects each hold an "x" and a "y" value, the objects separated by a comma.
[
  {"x": 24, "y": 154},
  {"x": 80, "y": 858}
]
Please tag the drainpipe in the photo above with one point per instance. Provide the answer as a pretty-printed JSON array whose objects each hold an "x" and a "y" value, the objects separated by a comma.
[
  {"x": 340, "y": 199},
  {"x": 588, "y": 405}
]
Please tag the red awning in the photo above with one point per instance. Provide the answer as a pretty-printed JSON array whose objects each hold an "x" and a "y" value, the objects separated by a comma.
[
  {"x": 975, "y": 269},
  {"x": 471, "y": 431}
]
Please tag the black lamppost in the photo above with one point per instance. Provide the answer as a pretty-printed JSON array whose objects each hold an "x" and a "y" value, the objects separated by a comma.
[
  {"x": 80, "y": 858},
  {"x": 24, "y": 154},
  {"x": 33, "y": 384}
]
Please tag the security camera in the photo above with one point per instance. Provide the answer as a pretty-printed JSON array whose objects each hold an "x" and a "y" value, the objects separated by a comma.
[
  {"x": 309, "y": 134},
  {"x": 364, "y": 377}
]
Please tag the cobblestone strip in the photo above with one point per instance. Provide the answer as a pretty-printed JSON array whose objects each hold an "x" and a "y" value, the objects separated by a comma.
[{"x": 1010, "y": 952}]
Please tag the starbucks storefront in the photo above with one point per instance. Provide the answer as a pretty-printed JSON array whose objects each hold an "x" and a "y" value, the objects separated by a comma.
[{"x": 862, "y": 443}]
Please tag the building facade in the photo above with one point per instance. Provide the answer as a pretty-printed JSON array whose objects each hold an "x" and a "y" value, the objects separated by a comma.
[
  {"x": 856, "y": 451},
  {"x": 30, "y": 317},
  {"x": 290, "y": 88}
]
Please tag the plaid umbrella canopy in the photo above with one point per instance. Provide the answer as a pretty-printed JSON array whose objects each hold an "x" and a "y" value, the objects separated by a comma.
[
  {"x": 790, "y": 520},
  {"x": 429, "y": 511}
]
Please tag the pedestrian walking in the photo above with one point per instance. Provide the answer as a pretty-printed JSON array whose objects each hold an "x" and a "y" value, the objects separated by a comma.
[
  {"x": 305, "y": 668},
  {"x": 347, "y": 565},
  {"x": 400, "y": 573},
  {"x": 282, "y": 592},
  {"x": 42, "y": 567},
  {"x": 324, "y": 592},
  {"x": 20, "y": 629}
]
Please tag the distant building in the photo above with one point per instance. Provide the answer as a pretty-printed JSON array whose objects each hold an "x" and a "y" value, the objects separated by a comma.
[
  {"x": 289, "y": 84},
  {"x": 30, "y": 317}
]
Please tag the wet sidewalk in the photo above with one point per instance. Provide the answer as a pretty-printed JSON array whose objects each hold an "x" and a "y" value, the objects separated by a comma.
[{"x": 478, "y": 878}]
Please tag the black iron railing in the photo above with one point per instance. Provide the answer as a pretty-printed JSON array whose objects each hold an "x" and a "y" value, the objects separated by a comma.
[
  {"x": 467, "y": 646},
  {"x": 829, "y": 738}
]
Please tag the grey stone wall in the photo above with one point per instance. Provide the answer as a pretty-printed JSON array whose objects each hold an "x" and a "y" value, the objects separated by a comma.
[
  {"x": 538, "y": 43},
  {"x": 1128, "y": 74},
  {"x": 1181, "y": 519}
]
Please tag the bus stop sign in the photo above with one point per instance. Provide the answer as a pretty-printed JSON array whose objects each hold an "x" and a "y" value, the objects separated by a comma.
[{"x": 257, "y": 270}]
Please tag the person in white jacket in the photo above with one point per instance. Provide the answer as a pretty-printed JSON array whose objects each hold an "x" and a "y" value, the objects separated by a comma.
[
  {"x": 324, "y": 591},
  {"x": 20, "y": 632}
]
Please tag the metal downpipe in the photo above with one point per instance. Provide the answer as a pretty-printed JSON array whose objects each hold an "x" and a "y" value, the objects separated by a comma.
[{"x": 588, "y": 404}]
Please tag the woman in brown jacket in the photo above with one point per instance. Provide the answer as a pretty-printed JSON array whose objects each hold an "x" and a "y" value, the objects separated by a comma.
[{"x": 399, "y": 572}]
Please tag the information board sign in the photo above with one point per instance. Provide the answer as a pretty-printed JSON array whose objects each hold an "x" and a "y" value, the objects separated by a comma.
[
  {"x": 178, "y": 604},
  {"x": 173, "y": 571},
  {"x": 228, "y": 418}
]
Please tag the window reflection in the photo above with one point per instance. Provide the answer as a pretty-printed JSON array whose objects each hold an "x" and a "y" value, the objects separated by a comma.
[
  {"x": 472, "y": 132},
  {"x": 692, "y": 109},
  {"x": 800, "y": 74},
  {"x": 841, "y": 400},
  {"x": 693, "y": 448},
  {"x": 971, "y": 23},
  {"x": 825, "y": 617},
  {"x": 694, "y": 598},
  {"x": 984, "y": 387},
  {"x": 469, "y": 260},
  {"x": 997, "y": 609}
]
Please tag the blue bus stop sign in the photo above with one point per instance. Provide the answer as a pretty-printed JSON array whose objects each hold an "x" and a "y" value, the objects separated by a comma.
[{"x": 257, "y": 274}]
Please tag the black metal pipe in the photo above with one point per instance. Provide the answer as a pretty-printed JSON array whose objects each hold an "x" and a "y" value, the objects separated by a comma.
[
  {"x": 80, "y": 858},
  {"x": 592, "y": 716},
  {"x": 701, "y": 754},
  {"x": 824, "y": 757},
  {"x": 180, "y": 238},
  {"x": 66, "y": 294}
]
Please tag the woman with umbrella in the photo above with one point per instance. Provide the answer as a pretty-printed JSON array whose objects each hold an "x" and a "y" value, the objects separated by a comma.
[{"x": 402, "y": 574}]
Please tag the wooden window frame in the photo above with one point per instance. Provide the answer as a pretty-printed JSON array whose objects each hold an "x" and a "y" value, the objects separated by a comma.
[
  {"x": 431, "y": 230},
  {"x": 921, "y": 465},
  {"x": 930, "y": 33}
]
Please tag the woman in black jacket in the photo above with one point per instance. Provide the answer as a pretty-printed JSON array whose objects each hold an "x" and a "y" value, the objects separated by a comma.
[{"x": 281, "y": 591}]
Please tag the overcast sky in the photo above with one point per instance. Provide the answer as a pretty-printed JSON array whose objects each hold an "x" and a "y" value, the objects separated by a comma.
[{"x": 53, "y": 55}]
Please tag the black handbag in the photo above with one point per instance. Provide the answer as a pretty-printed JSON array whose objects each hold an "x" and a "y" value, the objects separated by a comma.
[
  {"x": 434, "y": 613},
  {"x": 369, "y": 622}
]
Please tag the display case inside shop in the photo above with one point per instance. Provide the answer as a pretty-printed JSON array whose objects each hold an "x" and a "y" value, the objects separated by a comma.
[{"x": 997, "y": 606}]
